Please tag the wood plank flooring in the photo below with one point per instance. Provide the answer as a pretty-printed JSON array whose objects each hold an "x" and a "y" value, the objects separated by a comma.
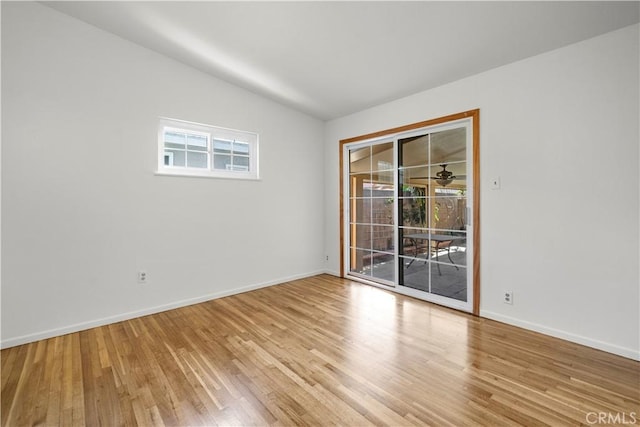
[{"x": 317, "y": 351}]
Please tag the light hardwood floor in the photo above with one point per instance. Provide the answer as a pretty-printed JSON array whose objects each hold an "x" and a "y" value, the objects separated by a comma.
[{"x": 317, "y": 351}]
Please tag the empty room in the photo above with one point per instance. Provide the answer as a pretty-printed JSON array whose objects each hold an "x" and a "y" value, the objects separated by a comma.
[{"x": 320, "y": 213}]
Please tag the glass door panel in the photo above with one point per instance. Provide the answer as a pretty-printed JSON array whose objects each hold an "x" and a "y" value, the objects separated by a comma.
[
  {"x": 371, "y": 211},
  {"x": 414, "y": 211},
  {"x": 432, "y": 209},
  {"x": 448, "y": 146},
  {"x": 448, "y": 210}
]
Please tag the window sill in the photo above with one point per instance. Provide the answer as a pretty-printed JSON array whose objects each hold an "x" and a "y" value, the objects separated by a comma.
[{"x": 206, "y": 174}]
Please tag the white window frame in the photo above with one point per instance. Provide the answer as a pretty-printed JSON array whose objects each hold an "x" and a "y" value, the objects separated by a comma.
[{"x": 211, "y": 132}]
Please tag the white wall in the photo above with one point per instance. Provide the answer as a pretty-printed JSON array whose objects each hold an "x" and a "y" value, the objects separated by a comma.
[
  {"x": 82, "y": 210},
  {"x": 561, "y": 130}
]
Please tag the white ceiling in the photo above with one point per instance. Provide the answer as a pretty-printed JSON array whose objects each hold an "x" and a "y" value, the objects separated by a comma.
[{"x": 330, "y": 59}]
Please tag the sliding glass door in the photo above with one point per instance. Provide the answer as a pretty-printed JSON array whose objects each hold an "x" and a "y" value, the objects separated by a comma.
[
  {"x": 407, "y": 207},
  {"x": 432, "y": 169}
]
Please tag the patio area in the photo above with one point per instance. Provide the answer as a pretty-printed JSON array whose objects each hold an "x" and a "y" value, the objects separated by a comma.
[{"x": 447, "y": 279}]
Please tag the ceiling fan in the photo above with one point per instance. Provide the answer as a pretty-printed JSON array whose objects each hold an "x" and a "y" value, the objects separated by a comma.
[{"x": 443, "y": 177}]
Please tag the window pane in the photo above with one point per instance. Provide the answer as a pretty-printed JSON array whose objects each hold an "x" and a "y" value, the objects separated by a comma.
[
  {"x": 417, "y": 177},
  {"x": 382, "y": 211},
  {"x": 196, "y": 160},
  {"x": 178, "y": 157},
  {"x": 240, "y": 148},
  {"x": 449, "y": 146},
  {"x": 172, "y": 145},
  {"x": 382, "y": 238},
  {"x": 360, "y": 261},
  {"x": 448, "y": 280},
  {"x": 383, "y": 177},
  {"x": 382, "y": 156},
  {"x": 174, "y": 138},
  {"x": 383, "y": 266},
  {"x": 452, "y": 175},
  {"x": 222, "y": 162},
  {"x": 360, "y": 160},
  {"x": 448, "y": 212},
  {"x": 416, "y": 273},
  {"x": 197, "y": 142},
  {"x": 240, "y": 163},
  {"x": 414, "y": 211},
  {"x": 358, "y": 184},
  {"x": 414, "y": 150},
  {"x": 361, "y": 235},
  {"x": 413, "y": 242},
  {"x": 221, "y": 146}
]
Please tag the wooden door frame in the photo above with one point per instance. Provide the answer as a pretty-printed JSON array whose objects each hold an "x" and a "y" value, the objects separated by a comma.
[{"x": 475, "y": 124}]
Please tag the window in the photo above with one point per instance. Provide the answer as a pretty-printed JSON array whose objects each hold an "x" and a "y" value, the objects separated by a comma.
[{"x": 191, "y": 149}]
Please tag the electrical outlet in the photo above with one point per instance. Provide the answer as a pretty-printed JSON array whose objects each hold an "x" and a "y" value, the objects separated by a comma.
[
  {"x": 326, "y": 258},
  {"x": 507, "y": 297},
  {"x": 142, "y": 276}
]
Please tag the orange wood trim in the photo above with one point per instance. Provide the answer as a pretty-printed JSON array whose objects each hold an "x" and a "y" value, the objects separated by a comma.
[
  {"x": 476, "y": 211},
  {"x": 341, "y": 167},
  {"x": 475, "y": 116},
  {"x": 405, "y": 128}
]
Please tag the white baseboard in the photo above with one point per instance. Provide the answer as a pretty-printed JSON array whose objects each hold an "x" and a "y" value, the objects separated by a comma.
[
  {"x": 331, "y": 273},
  {"x": 25, "y": 339},
  {"x": 578, "y": 339}
]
